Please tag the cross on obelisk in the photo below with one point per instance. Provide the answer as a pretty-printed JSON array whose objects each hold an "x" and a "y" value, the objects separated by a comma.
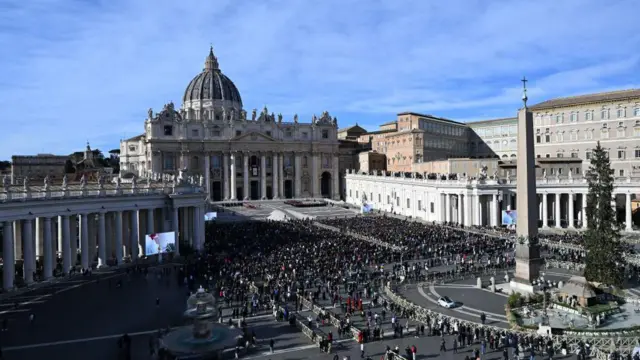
[{"x": 527, "y": 249}]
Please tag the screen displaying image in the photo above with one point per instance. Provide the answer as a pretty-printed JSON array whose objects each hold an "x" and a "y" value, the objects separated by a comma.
[
  {"x": 210, "y": 216},
  {"x": 509, "y": 217},
  {"x": 160, "y": 243}
]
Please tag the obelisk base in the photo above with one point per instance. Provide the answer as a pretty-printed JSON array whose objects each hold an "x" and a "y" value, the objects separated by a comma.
[{"x": 522, "y": 287}]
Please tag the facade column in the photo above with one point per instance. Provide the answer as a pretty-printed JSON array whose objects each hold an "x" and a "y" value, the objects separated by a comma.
[
  {"x": 84, "y": 241},
  {"x": 585, "y": 220},
  {"x": 29, "y": 252},
  {"x": 65, "y": 230},
  {"x": 298, "y": 174},
  {"x": 150, "y": 225},
  {"x": 118, "y": 237},
  {"x": 134, "y": 235},
  {"x": 460, "y": 215},
  {"x": 507, "y": 200},
  {"x": 61, "y": 248},
  {"x": 232, "y": 178},
  {"x": 17, "y": 239},
  {"x": 102, "y": 243},
  {"x": 478, "y": 211},
  {"x": 628, "y": 214},
  {"x": 281, "y": 175},
  {"x": 225, "y": 175},
  {"x": 447, "y": 207},
  {"x": 47, "y": 262},
  {"x": 494, "y": 210},
  {"x": 467, "y": 217},
  {"x": 8, "y": 254},
  {"x": 274, "y": 177},
  {"x": 207, "y": 173},
  {"x": 175, "y": 224},
  {"x": 545, "y": 210},
  {"x": 335, "y": 177},
  {"x": 571, "y": 218},
  {"x": 245, "y": 175},
  {"x": 39, "y": 238},
  {"x": 263, "y": 176},
  {"x": 314, "y": 175},
  {"x": 557, "y": 211}
]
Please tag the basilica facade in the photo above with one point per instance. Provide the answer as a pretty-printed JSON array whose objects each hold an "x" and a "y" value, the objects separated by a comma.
[{"x": 239, "y": 156}]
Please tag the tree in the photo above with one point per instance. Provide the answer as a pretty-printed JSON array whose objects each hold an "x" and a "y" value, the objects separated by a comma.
[{"x": 602, "y": 238}]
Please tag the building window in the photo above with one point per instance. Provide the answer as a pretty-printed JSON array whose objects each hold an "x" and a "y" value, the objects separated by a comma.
[
  {"x": 288, "y": 133},
  {"x": 194, "y": 133},
  {"x": 636, "y": 132},
  {"x": 379, "y": 198},
  {"x": 356, "y": 194},
  {"x": 268, "y": 133},
  {"x": 636, "y": 111},
  {"x": 325, "y": 134},
  {"x": 168, "y": 130},
  {"x": 408, "y": 203},
  {"x": 621, "y": 154},
  {"x": 604, "y": 114},
  {"x": 388, "y": 199},
  {"x": 559, "y": 119},
  {"x": 216, "y": 162},
  {"x": 547, "y": 138},
  {"x": 559, "y": 171},
  {"x": 559, "y": 155},
  {"x": 574, "y": 116},
  {"x": 419, "y": 205},
  {"x": 588, "y": 116},
  {"x": 588, "y": 134},
  {"x": 553, "y": 171},
  {"x": 620, "y": 113},
  {"x": 238, "y": 132},
  {"x": 621, "y": 172},
  {"x": 587, "y": 155},
  {"x": 559, "y": 136},
  {"x": 168, "y": 162},
  {"x": 574, "y": 155},
  {"x": 432, "y": 207},
  {"x": 637, "y": 153},
  {"x": 132, "y": 148},
  {"x": 215, "y": 133},
  {"x": 574, "y": 135},
  {"x": 547, "y": 155}
]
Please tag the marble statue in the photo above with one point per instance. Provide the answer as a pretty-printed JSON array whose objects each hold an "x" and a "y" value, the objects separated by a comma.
[
  {"x": 150, "y": 113},
  {"x": 335, "y": 121},
  {"x": 224, "y": 114},
  {"x": 6, "y": 182},
  {"x": 495, "y": 174},
  {"x": 584, "y": 173},
  {"x": 118, "y": 182},
  {"x": 181, "y": 176},
  {"x": 483, "y": 171},
  {"x": 201, "y": 180},
  {"x": 83, "y": 180},
  {"x": 134, "y": 182},
  {"x": 232, "y": 115},
  {"x": 170, "y": 106},
  {"x": 295, "y": 118},
  {"x": 314, "y": 119},
  {"x": 544, "y": 173},
  {"x": 279, "y": 118},
  {"x": 243, "y": 114},
  {"x": 570, "y": 174},
  {"x": 64, "y": 181},
  {"x": 253, "y": 114},
  {"x": 149, "y": 182},
  {"x": 25, "y": 183},
  {"x": 47, "y": 180}
]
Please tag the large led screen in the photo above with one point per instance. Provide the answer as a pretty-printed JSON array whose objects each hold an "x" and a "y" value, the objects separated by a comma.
[
  {"x": 210, "y": 216},
  {"x": 509, "y": 217},
  {"x": 160, "y": 243}
]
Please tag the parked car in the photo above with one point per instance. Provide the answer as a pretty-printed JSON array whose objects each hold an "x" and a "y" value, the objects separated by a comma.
[{"x": 446, "y": 302}]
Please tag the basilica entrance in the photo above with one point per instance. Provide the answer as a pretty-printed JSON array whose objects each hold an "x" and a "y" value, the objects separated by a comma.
[
  {"x": 216, "y": 191},
  {"x": 255, "y": 190},
  {"x": 325, "y": 185},
  {"x": 269, "y": 192},
  {"x": 288, "y": 189}
]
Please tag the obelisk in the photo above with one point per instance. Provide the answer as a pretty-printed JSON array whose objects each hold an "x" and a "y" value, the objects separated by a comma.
[{"x": 527, "y": 247}]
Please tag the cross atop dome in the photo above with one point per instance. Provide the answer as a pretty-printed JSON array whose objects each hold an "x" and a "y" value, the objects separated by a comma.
[{"x": 211, "y": 63}]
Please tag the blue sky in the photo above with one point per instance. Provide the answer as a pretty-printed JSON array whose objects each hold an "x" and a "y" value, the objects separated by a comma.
[{"x": 78, "y": 70}]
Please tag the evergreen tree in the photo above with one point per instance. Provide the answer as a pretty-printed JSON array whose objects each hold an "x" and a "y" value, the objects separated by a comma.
[{"x": 602, "y": 238}]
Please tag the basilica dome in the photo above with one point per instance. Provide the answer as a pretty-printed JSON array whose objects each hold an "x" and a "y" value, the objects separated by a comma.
[{"x": 212, "y": 85}]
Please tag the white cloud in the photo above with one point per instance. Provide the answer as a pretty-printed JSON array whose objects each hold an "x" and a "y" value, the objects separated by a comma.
[{"x": 89, "y": 70}]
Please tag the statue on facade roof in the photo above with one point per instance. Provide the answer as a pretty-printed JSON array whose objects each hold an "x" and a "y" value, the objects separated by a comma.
[
  {"x": 253, "y": 114},
  {"x": 134, "y": 182},
  {"x": 6, "y": 182},
  {"x": 150, "y": 113},
  {"x": 314, "y": 119},
  {"x": 544, "y": 173},
  {"x": 83, "y": 180},
  {"x": 47, "y": 180},
  {"x": 243, "y": 115},
  {"x": 224, "y": 114},
  {"x": 25, "y": 183},
  {"x": 335, "y": 121},
  {"x": 570, "y": 174},
  {"x": 495, "y": 174},
  {"x": 279, "y": 118},
  {"x": 295, "y": 118},
  {"x": 232, "y": 114},
  {"x": 64, "y": 181}
]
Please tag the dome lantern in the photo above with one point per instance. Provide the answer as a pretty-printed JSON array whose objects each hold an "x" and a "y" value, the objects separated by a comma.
[{"x": 211, "y": 63}]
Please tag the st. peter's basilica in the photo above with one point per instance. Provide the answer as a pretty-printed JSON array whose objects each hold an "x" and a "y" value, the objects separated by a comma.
[{"x": 240, "y": 156}]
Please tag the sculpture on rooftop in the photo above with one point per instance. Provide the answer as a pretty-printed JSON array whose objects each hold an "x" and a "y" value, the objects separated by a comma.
[{"x": 6, "y": 182}]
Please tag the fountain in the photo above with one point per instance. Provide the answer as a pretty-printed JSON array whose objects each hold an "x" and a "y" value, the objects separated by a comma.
[{"x": 204, "y": 336}]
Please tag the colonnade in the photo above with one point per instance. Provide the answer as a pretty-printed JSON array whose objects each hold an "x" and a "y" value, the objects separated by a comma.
[
  {"x": 556, "y": 209},
  {"x": 101, "y": 238},
  {"x": 310, "y": 185}
]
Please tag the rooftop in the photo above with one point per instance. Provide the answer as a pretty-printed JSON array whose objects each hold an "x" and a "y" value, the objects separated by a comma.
[
  {"x": 619, "y": 95},
  {"x": 430, "y": 117}
]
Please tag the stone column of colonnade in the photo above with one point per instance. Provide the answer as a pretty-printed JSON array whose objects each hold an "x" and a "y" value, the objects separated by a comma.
[{"x": 274, "y": 177}]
